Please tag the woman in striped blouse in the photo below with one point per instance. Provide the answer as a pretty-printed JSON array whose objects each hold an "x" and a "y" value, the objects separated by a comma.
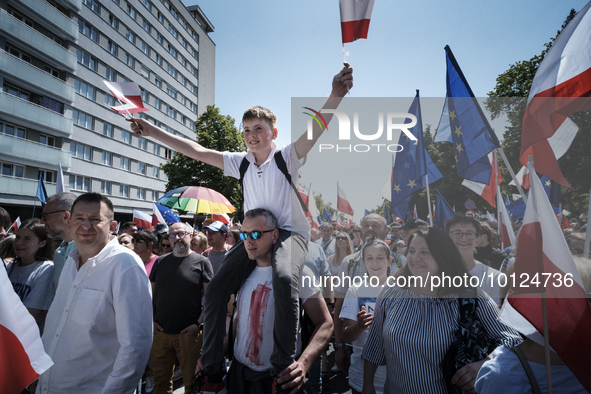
[{"x": 415, "y": 323}]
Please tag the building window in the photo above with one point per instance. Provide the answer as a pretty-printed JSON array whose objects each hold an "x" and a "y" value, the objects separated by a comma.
[
  {"x": 142, "y": 143},
  {"x": 124, "y": 191},
  {"x": 172, "y": 30},
  {"x": 155, "y": 172},
  {"x": 108, "y": 159},
  {"x": 160, "y": 17},
  {"x": 147, "y": 4},
  {"x": 78, "y": 182},
  {"x": 156, "y": 103},
  {"x": 145, "y": 96},
  {"x": 184, "y": 42},
  {"x": 111, "y": 75},
  {"x": 84, "y": 89},
  {"x": 159, "y": 38},
  {"x": 171, "y": 92},
  {"x": 156, "y": 150},
  {"x": 124, "y": 163},
  {"x": 158, "y": 82},
  {"x": 10, "y": 130},
  {"x": 145, "y": 72},
  {"x": 46, "y": 140},
  {"x": 126, "y": 137},
  {"x": 131, "y": 11},
  {"x": 193, "y": 71},
  {"x": 170, "y": 112},
  {"x": 108, "y": 130},
  {"x": 172, "y": 51},
  {"x": 171, "y": 70},
  {"x": 88, "y": 30},
  {"x": 141, "y": 193},
  {"x": 113, "y": 22},
  {"x": 129, "y": 60},
  {"x": 146, "y": 49},
  {"x": 113, "y": 48},
  {"x": 86, "y": 59},
  {"x": 147, "y": 26},
  {"x": 109, "y": 100},
  {"x": 130, "y": 36},
  {"x": 174, "y": 13},
  {"x": 193, "y": 107},
  {"x": 81, "y": 151},
  {"x": 93, "y": 5},
  {"x": 83, "y": 120},
  {"x": 47, "y": 175},
  {"x": 141, "y": 167},
  {"x": 159, "y": 60},
  {"x": 155, "y": 196},
  {"x": 106, "y": 187}
]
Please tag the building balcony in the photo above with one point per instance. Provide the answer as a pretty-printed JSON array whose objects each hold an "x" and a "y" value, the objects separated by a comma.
[
  {"x": 28, "y": 74},
  {"x": 28, "y": 114},
  {"x": 59, "y": 21},
  {"x": 42, "y": 46},
  {"x": 39, "y": 155},
  {"x": 22, "y": 191}
]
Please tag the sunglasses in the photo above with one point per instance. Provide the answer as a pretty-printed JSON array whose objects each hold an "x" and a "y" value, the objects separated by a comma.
[
  {"x": 341, "y": 238},
  {"x": 253, "y": 234}
]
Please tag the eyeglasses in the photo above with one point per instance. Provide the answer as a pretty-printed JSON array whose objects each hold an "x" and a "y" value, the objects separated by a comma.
[
  {"x": 341, "y": 238},
  {"x": 458, "y": 234},
  {"x": 180, "y": 234},
  {"x": 253, "y": 234},
  {"x": 357, "y": 231},
  {"x": 166, "y": 245},
  {"x": 44, "y": 214},
  {"x": 208, "y": 231}
]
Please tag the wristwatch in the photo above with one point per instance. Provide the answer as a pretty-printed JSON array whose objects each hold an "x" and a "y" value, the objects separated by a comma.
[{"x": 338, "y": 345}]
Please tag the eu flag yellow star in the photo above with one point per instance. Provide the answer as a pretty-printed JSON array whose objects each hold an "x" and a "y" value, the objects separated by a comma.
[
  {"x": 416, "y": 142},
  {"x": 548, "y": 183},
  {"x": 411, "y": 183},
  {"x": 459, "y": 147},
  {"x": 406, "y": 164},
  {"x": 456, "y": 156},
  {"x": 458, "y": 132},
  {"x": 396, "y": 188},
  {"x": 453, "y": 115}
]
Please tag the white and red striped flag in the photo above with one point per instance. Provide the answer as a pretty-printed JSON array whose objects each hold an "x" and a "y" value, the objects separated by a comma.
[
  {"x": 15, "y": 225},
  {"x": 129, "y": 93},
  {"x": 355, "y": 16},
  {"x": 505, "y": 229},
  {"x": 23, "y": 357},
  {"x": 142, "y": 220},
  {"x": 221, "y": 217},
  {"x": 342, "y": 202},
  {"x": 561, "y": 87},
  {"x": 543, "y": 257},
  {"x": 486, "y": 191},
  {"x": 156, "y": 216}
]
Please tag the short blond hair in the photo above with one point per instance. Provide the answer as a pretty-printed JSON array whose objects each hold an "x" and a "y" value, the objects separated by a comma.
[{"x": 258, "y": 112}]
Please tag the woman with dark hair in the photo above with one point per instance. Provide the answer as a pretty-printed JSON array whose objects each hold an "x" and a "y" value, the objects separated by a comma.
[
  {"x": 31, "y": 272},
  {"x": 144, "y": 243},
  {"x": 415, "y": 322}
]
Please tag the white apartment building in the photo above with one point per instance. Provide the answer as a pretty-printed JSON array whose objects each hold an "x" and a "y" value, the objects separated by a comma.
[{"x": 55, "y": 108}]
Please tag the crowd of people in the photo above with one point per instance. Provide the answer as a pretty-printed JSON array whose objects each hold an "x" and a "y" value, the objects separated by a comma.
[{"x": 253, "y": 308}]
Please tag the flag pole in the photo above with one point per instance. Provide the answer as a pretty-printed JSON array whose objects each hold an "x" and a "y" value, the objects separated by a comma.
[
  {"x": 429, "y": 200},
  {"x": 34, "y": 204},
  {"x": 545, "y": 320},
  {"x": 512, "y": 174},
  {"x": 344, "y": 63},
  {"x": 495, "y": 164},
  {"x": 588, "y": 236}
]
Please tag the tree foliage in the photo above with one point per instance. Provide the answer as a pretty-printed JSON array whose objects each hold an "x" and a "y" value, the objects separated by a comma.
[
  {"x": 513, "y": 88},
  {"x": 213, "y": 131}
]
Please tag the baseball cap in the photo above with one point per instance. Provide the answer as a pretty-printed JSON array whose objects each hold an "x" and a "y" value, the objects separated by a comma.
[
  {"x": 218, "y": 226},
  {"x": 411, "y": 224}
]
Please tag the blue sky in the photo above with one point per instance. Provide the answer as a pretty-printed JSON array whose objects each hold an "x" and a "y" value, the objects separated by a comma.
[{"x": 269, "y": 51}]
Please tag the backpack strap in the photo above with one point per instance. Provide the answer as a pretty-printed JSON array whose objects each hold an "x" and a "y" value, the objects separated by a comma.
[
  {"x": 283, "y": 168},
  {"x": 243, "y": 167}
]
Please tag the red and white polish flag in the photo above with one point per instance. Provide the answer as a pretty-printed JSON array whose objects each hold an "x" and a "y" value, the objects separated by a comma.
[
  {"x": 543, "y": 256},
  {"x": 505, "y": 229},
  {"x": 486, "y": 191},
  {"x": 221, "y": 217},
  {"x": 355, "y": 16},
  {"x": 342, "y": 202},
  {"x": 129, "y": 93},
  {"x": 561, "y": 87},
  {"x": 156, "y": 216},
  {"x": 16, "y": 224},
  {"x": 23, "y": 357},
  {"x": 142, "y": 220}
]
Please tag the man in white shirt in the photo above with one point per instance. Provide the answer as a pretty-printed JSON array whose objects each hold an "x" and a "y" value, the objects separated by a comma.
[
  {"x": 255, "y": 316},
  {"x": 99, "y": 328}
]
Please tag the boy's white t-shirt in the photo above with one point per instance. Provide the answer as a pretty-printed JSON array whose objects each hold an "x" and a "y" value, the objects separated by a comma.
[
  {"x": 356, "y": 298},
  {"x": 255, "y": 311},
  {"x": 265, "y": 186}
]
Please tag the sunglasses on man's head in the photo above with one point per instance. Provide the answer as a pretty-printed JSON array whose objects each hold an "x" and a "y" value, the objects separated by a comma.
[{"x": 253, "y": 234}]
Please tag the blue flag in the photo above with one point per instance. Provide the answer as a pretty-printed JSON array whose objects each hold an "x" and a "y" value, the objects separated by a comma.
[
  {"x": 464, "y": 125},
  {"x": 442, "y": 211},
  {"x": 168, "y": 214},
  {"x": 507, "y": 201},
  {"x": 326, "y": 216},
  {"x": 387, "y": 216},
  {"x": 366, "y": 213},
  {"x": 319, "y": 219},
  {"x": 517, "y": 208},
  {"x": 553, "y": 192},
  {"x": 411, "y": 164},
  {"x": 41, "y": 192}
]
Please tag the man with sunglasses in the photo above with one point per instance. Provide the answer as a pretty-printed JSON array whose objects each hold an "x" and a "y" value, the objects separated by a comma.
[
  {"x": 216, "y": 234},
  {"x": 55, "y": 216},
  {"x": 255, "y": 315},
  {"x": 179, "y": 279}
]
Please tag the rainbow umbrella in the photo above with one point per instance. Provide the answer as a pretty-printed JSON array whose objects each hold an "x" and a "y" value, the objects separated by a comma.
[{"x": 197, "y": 199}]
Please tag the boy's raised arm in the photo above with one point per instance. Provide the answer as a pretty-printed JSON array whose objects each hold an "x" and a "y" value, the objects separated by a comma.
[
  {"x": 341, "y": 83},
  {"x": 185, "y": 146}
]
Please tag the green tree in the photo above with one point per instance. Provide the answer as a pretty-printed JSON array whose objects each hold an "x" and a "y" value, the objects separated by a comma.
[
  {"x": 214, "y": 131},
  {"x": 509, "y": 98}
]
